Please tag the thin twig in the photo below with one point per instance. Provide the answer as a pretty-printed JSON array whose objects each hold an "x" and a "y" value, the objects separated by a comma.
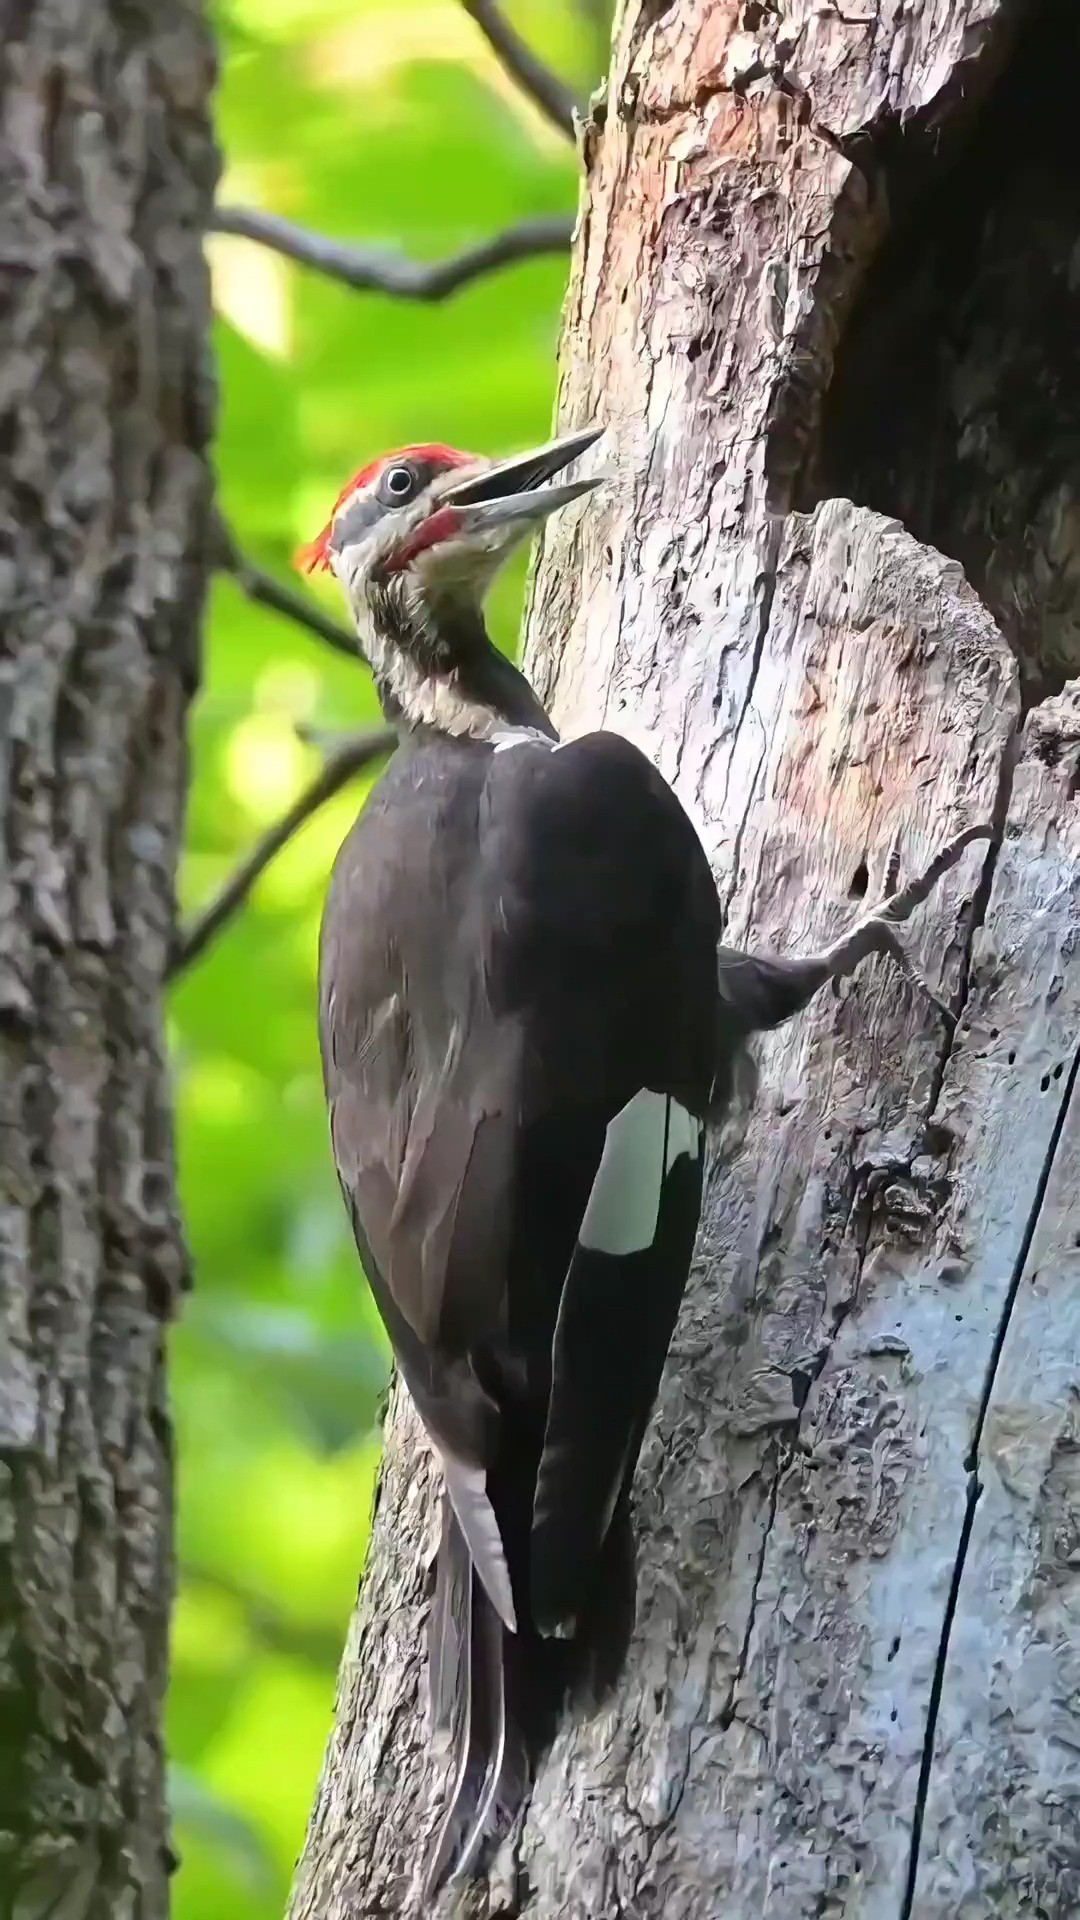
[
  {"x": 551, "y": 95},
  {"x": 367, "y": 270},
  {"x": 351, "y": 758},
  {"x": 268, "y": 592}
]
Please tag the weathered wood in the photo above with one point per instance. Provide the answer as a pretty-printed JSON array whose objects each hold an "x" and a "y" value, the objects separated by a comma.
[
  {"x": 820, "y": 1590},
  {"x": 1002, "y": 1830},
  {"x": 106, "y": 167}
]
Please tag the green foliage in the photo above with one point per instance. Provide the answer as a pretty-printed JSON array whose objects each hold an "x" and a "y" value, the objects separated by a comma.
[{"x": 386, "y": 122}]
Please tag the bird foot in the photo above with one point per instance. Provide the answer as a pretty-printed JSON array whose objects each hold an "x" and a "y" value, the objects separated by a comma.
[{"x": 876, "y": 931}]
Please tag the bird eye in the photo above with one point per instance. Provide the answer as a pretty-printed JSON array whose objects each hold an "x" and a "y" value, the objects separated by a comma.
[{"x": 397, "y": 485}]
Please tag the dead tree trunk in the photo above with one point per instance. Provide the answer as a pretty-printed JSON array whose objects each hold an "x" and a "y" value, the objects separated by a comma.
[
  {"x": 828, "y": 254},
  {"x": 106, "y": 167}
]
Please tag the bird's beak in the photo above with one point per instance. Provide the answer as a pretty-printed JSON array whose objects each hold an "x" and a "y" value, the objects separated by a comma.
[{"x": 513, "y": 492}]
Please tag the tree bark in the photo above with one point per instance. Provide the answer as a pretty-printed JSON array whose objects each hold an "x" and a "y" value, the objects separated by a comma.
[
  {"x": 106, "y": 171},
  {"x": 854, "y": 1690}
]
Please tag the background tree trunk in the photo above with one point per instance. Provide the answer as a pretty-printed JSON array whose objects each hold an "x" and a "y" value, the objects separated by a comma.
[
  {"x": 828, "y": 255},
  {"x": 106, "y": 170}
]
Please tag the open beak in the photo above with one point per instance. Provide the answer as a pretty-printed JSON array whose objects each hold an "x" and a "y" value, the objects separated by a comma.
[{"x": 514, "y": 490}]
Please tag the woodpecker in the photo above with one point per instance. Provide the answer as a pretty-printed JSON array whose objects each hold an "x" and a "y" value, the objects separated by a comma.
[{"x": 528, "y": 1020}]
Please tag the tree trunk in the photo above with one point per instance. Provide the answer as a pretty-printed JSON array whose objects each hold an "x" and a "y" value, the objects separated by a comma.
[
  {"x": 106, "y": 168},
  {"x": 826, "y": 252}
]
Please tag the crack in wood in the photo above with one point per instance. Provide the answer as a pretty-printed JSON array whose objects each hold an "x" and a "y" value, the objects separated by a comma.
[
  {"x": 1020, "y": 1263},
  {"x": 727, "y": 1713},
  {"x": 773, "y": 547},
  {"x": 979, "y": 909},
  {"x": 975, "y": 1488}
]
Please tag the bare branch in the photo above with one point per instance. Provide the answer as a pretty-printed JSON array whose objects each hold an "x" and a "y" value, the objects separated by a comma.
[
  {"x": 351, "y": 758},
  {"x": 368, "y": 270},
  {"x": 268, "y": 592},
  {"x": 551, "y": 95}
]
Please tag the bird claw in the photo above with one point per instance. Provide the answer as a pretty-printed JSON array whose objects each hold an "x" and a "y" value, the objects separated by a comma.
[
  {"x": 883, "y": 939},
  {"x": 876, "y": 931},
  {"x": 900, "y": 905}
]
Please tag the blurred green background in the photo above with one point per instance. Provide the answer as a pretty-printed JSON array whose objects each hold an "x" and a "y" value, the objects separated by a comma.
[{"x": 388, "y": 122}]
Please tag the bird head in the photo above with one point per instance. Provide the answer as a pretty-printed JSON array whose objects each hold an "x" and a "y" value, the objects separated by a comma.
[
  {"x": 428, "y": 524},
  {"x": 415, "y": 540}
]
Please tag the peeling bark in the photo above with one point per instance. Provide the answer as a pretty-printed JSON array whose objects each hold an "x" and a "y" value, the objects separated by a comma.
[
  {"x": 106, "y": 169},
  {"x": 853, "y": 1686}
]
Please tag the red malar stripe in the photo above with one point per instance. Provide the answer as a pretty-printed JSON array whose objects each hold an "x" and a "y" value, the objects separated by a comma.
[{"x": 442, "y": 523}]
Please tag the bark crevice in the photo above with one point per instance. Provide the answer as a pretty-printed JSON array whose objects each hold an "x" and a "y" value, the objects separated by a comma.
[
  {"x": 975, "y": 1486},
  {"x": 933, "y": 1705},
  {"x": 1020, "y": 1264}
]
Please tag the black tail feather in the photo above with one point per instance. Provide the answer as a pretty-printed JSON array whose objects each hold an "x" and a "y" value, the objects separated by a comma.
[
  {"x": 471, "y": 1698},
  {"x": 448, "y": 1624},
  {"x": 500, "y": 1695}
]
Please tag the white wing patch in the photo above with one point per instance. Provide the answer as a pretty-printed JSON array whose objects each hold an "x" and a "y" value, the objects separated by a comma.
[
  {"x": 519, "y": 737},
  {"x": 642, "y": 1144},
  {"x": 684, "y": 1136},
  {"x": 467, "y": 1487}
]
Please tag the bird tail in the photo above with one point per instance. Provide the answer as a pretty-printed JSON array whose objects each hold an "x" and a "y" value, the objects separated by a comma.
[
  {"x": 496, "y": 1697},
  {"x": 474, "y": 1708}
]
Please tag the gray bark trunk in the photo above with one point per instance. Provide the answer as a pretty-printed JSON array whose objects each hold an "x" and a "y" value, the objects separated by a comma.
[
  {"x": 854, "y": 1690},
  {"x": 106, "y": 168}
]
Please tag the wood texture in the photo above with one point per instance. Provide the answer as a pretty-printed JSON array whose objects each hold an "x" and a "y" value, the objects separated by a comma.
[
  {"x": 106, "y": 167},
  {"x": 852, "y": 1690}
]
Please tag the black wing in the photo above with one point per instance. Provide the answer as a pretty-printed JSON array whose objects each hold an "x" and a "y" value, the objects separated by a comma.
[
  {"x": 519, "y": 1007},
  {"x": 420, "y": 1120}
]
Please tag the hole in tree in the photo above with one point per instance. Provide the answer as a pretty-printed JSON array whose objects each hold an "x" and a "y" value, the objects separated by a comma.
[
  {"x": 860, "y": 880},
  {"x": 955, "y": 399},
  {"x": 801, "y": 1383},
  {"x": 937, "y": 1138}
]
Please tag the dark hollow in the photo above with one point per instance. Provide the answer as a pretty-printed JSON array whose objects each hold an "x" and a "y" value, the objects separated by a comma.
[{"x": 955, "y": 400}]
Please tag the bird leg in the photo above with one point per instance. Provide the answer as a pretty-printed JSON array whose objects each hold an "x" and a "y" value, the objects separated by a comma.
[{"x": 762, "y": 991}]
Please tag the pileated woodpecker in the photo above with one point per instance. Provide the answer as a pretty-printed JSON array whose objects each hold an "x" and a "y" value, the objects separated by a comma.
[{"x": 527, "y": 1020}]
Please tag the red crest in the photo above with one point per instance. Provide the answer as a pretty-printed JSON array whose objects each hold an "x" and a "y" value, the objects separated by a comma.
[{"x": 316, "y": 553}]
